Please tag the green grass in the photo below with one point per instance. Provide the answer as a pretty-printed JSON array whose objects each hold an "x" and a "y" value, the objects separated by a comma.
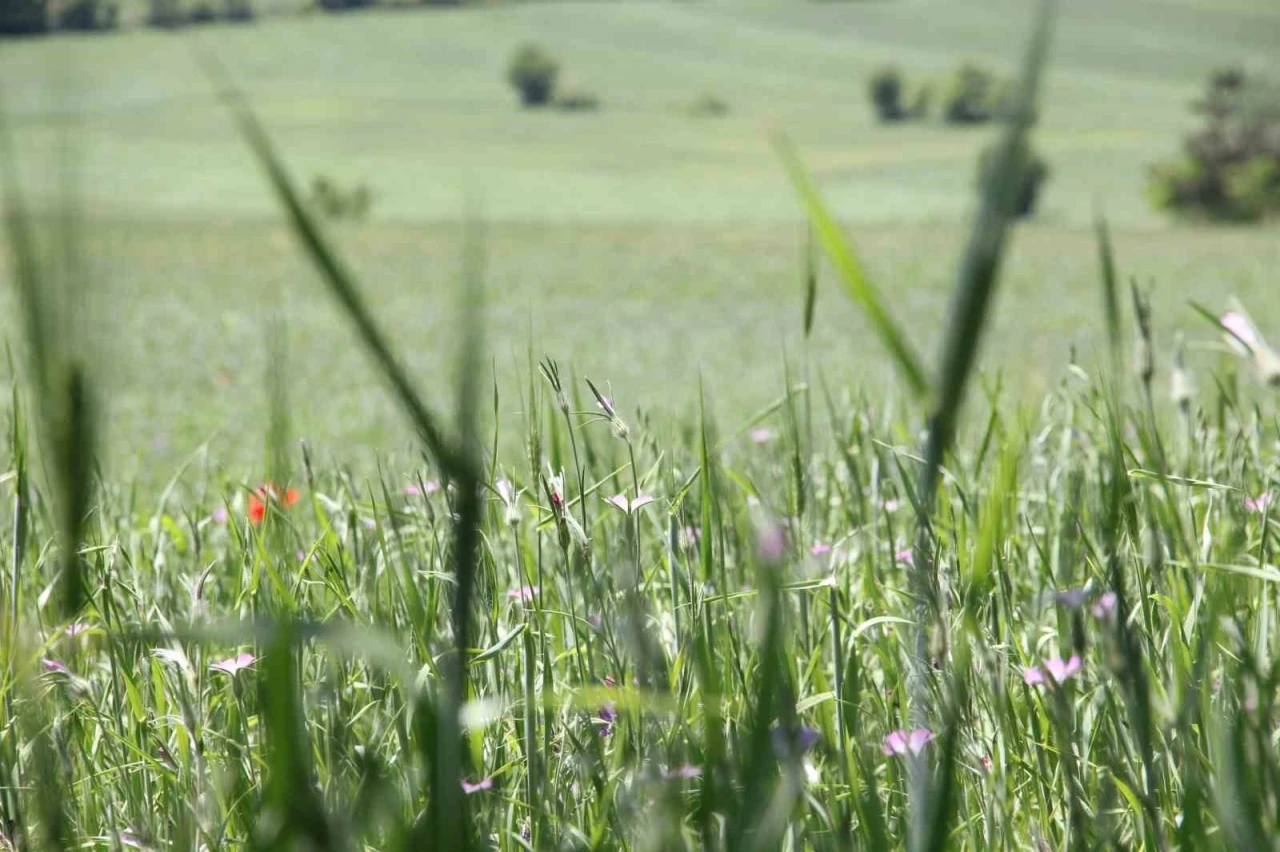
[
  {"x": 611, "y": 234},
  {"x": 575, "y": 619}
]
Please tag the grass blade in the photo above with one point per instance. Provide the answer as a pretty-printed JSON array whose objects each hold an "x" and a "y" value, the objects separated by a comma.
[{"x": 856, "y": 283}]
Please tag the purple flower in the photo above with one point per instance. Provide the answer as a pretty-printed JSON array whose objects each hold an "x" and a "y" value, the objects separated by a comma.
[
  {"x": 761, "y": 435},
  {"x": 1258, "y": 504},
  {"x": 820, "y": 549},
  {"x": 219, "y": 515},
  {"x": 482, "y": 784},
  {"x": 1071, "y": 598},
  {"x": 902, "y": 742},
  {"x": 620, "y": 501},
  {"x": 54, "y": 666},
  {"x": 608, "y": 715},
  {"x": 232, "y": 666},
  {"x": 685, "y": 771},
  {"x": 1056, "y": 670},
  {"x": 1105, "y": 606},
  {"x": 905, "y": 556},
  {"x": 985, "y": 760},
  {"x": 771, "y": 543},
  {"x": 524, "y": 593},
  {"x": 786, "y": 744},
  {"x": 596, "y": 622}
]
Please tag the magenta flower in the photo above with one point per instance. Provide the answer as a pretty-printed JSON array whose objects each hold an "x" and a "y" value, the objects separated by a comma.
[
  {"x": 620, "y": 501},
  {"x": 1056, "y": 670},
  {"x": 685, "y": 771},
  {"x": 1105, "y": 606},
  {"x": 902, "y": 742},
  {"x": 692, "y": 534},
  {"x": 232, "y": 666},
  {"x": 761, "y": 435},
  {"x": 219, "y": 515},
  {"x": 820, "y": 549},
  {"x": 482, "y": 784},
  {"x": 524, "y": 593},
  {"x": 905, "y": 556},
  {"x": 985, "y": 760},
  {"x": 1258, "y": 504},
  {"x": 54, "y": 666},
  {"x": 1242, "y": 331}
]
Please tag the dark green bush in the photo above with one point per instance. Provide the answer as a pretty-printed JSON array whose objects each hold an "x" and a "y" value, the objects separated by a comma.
[
  {"x": 1033, "y": 172},
  {"x": 88, "y": 15},
  {"x": 1230, "y": 168},
  {"x": 23, "y": 17},
  {"x": 970, "y": 96},
  {"x": 334, "y": 202},
  {"x": 533, "y": 73},
  {"x": 886, "y": 90}
]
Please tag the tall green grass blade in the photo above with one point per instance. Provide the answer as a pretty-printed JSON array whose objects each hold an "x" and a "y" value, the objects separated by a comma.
[
  {"x": 339, "y": 280},
  {"x": 849, "y": 268}
]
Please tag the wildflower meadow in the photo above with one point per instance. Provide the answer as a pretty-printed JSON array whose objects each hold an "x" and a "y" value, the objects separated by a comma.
[{"x": 963, "y": 619}]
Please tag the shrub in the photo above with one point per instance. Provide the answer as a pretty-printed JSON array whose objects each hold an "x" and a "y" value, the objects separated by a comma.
[
  {"x": 885, "y": 90},
  {"x": 1230, "y": 169},
  {"x": 333, "y": 202},
  {"x": 88, "y": 15},
  {"x": 1034, "y": 171},
  {"x": 239, "y": 10},
  {"x": 533, "y": 73},
  {"x": 23, "y": 17},
  {"x": 921, "y": 100},
  {"x": 166, "y": 13},
  {"x": 969, "y": 97}
]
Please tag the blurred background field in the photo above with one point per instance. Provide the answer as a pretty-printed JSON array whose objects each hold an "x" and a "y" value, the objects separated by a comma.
[{"x": 640, "y": 243}]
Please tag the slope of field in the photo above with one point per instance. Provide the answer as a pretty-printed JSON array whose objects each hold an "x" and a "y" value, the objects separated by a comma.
[
  {"x": 414, "y": 102},
  {"x": 643, "y": 245}
]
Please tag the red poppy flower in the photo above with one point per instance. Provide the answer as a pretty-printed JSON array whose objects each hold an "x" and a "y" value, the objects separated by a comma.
[{"x": 269, "y": 493}]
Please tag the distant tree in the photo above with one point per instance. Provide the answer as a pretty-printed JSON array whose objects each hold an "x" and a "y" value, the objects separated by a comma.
[
  {"x": 970, "y": 96},
  {"x": 885, "y": 90},
  {"x": 1033, "y": 171},
  {"x": 23, "y": 17},
  {"x": 88, "y": 15},
  {"x": 533, "y": 73},
  {"x": 1230, "y": 168}
]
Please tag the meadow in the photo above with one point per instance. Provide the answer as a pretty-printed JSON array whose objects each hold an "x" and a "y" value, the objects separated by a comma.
[
  {"x": 610, "y": 233},
  {"x": 621, "y": 526}
]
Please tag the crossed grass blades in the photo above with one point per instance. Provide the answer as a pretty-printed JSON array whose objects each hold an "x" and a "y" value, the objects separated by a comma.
[{"x": 1057, "y": 636}]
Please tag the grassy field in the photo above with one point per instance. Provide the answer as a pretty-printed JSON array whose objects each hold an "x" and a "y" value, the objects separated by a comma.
[
  {"x": 612, "y": 235},
  {"x": 624, "y": 621}
]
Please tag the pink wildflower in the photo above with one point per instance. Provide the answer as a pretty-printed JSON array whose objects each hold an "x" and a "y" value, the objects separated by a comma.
[
  {"x": 902, "y": 742},
  {"x": 761, "y": 435},
  {"x": 524, "y": 593},
  {"x": 483, "y": 784},
  {"x": 1258, "y": 504},
  {"x": 232, "y": 666}
]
